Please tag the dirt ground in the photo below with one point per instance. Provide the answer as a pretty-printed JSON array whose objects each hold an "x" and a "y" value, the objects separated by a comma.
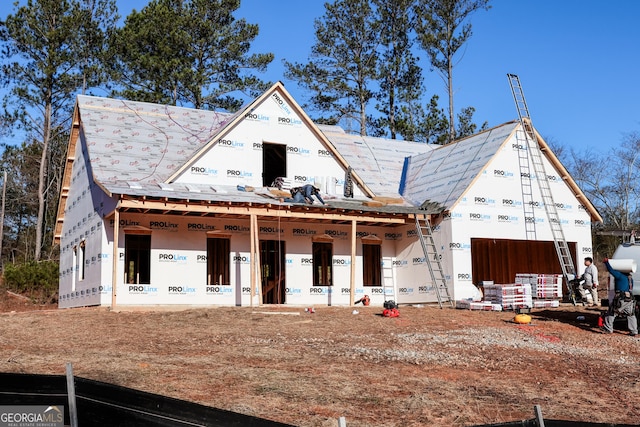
[{"x": 430, "y": 366}]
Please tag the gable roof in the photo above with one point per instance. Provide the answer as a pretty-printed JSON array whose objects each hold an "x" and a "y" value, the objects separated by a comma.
[{"x": 439, "y": 177}]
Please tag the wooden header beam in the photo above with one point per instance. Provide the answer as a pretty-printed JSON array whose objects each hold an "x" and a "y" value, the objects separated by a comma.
[{"x": 261, "y": 211}]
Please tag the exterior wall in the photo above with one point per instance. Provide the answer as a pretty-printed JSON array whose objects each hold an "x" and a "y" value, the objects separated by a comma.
[
  {"x": 414, "y": 282},
  {"x": 83, "y": 222},
  {"x": 492, "y": 208},
  {"x": 179, "y": 268},
  {"x": 236, "y": 159}
]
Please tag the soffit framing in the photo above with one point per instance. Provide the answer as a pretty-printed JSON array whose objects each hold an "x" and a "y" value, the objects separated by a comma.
[{"x": 299, "y": 213}]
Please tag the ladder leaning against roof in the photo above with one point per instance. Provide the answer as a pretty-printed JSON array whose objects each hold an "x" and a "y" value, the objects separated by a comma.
[
  {"x": 432, "y": 259},
  {"x": 533, "y": 149}
]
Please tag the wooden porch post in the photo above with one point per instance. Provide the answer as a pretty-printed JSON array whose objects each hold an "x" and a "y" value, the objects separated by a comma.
[
  {"x": 352, "y": 292},
  {"x": 114, "y": 263},
  {"x": 252, "y": 257}
]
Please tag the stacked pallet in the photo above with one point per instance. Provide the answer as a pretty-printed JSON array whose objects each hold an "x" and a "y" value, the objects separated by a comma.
[
  {"x": 509, "y": 296},
  {"x": 478, "y": 305},
  {"x": 546, "y": 303},
  {"x": 543, "y": 286}
]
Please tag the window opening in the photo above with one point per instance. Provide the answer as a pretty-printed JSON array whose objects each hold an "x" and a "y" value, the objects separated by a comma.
[
  {"x": 81, "y": 260},
  {"x": 371, "y": 265},
  {"x": 218, "y": 264},
  {"x": 137, "y": 256},
  {"x": 274, "y": 162},
  {"x": 322, "y": 259}
]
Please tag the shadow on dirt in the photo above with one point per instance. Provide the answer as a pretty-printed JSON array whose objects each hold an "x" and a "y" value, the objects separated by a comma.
[{"x": 585, "y": 318}]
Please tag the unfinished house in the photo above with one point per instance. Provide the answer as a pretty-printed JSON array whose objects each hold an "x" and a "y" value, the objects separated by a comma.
[{"x": 164, "y": 205}]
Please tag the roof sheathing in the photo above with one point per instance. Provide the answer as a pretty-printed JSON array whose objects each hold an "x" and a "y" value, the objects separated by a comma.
[
  {"x": 440, "y": 177},
  {"x": 139, "y": 141},
  {"x": 377, "y": 161}
]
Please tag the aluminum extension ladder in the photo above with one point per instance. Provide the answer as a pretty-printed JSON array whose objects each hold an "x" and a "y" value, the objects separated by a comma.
[
  {"x": 432, "y": 259},
  {"x": 535, "y": 155},
  {"x": 388, "y": 280}
]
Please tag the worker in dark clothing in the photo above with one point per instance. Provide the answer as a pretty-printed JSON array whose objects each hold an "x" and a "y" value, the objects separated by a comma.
[
  {"x": 310, "y": 191},
  {"x": 304, "y": 194},
  {"x": 624, "y": 303}
]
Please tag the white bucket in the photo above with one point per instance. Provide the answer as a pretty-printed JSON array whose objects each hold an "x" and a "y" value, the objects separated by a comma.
[{"x": 624, "y": 265}]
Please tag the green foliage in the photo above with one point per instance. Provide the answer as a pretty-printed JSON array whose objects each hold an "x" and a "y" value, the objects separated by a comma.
[
  {"x": 343, "y": 63},
  {"x": 50, "y": 49},
  {"x": 39, "y": 280},
  {"x": 465, "y": 126},
  {"x": 399, "y": 76},
  {"x": 443, "y": 29},
  {"x": 364, "y": 52},
  {"x": 190, "y": 52}
]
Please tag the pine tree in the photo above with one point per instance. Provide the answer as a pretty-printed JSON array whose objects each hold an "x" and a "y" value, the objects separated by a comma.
[
  {"x": 442, "y": 32},
  {"x": 50, "y": 50},
  {"x": 343, "y": 64},
  {"x": 188, "y": 52}
]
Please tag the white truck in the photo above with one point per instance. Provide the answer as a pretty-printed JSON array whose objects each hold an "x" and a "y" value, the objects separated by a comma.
[{"x": 627, "y": 251}]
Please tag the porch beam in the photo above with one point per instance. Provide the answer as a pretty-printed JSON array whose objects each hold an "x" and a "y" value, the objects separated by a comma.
[{"x": 260, "y": 211}]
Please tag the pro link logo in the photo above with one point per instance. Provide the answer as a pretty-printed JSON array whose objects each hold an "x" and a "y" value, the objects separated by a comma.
[
  {"x": 320, "y": 290},
  {"x": 291, "y": 121},
  {"x": 177, "y": 258},
  {"x": 511, "y": 203},
  {"x": 181, "y": 290},
  {"x": 457, "y": 246},
  {"x": 142, "y": 290},
  {"x": 230, "y": 143},
  {"x": 281, "y": 103},
  {"x": 219, "y": 290},
  {"x": 256, "y": 117},
  {"x": 501, "y": 173},
  {"x": 479, "y": 217},
  {"x": 507, "y": 218},
  {"x": 202, "y": 171},
  {"x": 484, "y": 201},
  {"x": 301, "y": 151},
  {"x": 236, "y": 173}
]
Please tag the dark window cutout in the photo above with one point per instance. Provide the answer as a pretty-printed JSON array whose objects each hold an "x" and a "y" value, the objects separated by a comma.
[
  {"x": 371, "y": 265},
  {"x": 82, "y": 260},
  {"x": 218, "y": 264},
  {"x": 322, "y": 258},
  {"x": 274, "y": 162},
  {"x": 137, "y": 256}
]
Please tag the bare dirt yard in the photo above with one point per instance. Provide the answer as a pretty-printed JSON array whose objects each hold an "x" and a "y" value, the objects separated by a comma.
[{"x": 430, "y": 366}]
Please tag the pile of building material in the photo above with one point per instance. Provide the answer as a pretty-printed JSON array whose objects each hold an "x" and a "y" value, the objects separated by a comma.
[
  {"x": 478, "y": 305},
  {"x": 528, "y": 291},
  {"x": 509, "y": 296},
  {"x": 546, "y": 289}
]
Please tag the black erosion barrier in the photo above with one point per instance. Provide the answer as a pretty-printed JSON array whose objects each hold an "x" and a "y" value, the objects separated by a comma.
[
  {"x": 539, "y": 421},
  {"x": 103, "y": 404},
  {"x": 555, "y": 423}
]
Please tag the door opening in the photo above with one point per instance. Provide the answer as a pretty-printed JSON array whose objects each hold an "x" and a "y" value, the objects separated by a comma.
[{"x": 272, "y": 260}]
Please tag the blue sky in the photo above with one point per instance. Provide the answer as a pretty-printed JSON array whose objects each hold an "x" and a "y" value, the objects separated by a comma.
[{"x": 577, "y": 61}]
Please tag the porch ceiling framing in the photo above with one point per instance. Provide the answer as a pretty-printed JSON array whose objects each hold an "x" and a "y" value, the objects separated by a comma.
[{"x": 243, "y": 210}]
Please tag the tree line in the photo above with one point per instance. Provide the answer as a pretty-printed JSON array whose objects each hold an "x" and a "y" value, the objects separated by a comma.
[
  {"x": 363, "y": 72},
  {"x": 197, "y": 53}
]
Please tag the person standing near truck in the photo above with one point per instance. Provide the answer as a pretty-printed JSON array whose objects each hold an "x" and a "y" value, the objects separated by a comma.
[
  {"x": 590, "y": 284},
  {"x": 624, "y": 303}
]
